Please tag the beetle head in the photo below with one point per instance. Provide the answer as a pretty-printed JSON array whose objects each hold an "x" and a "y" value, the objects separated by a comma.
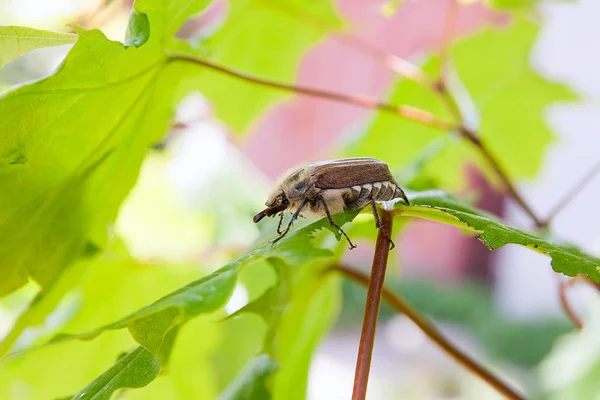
[{"x": 277, "y": 202}]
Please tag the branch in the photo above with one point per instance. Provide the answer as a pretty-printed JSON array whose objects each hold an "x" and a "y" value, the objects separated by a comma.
[
  {"x": 564, "y": 302},
  {"x": 571, "y": 194},
  {"x": 375, "y": 284},
  {"x": 401, "y": 306},
  {"x": 508, "y": 185},
  {"x": 404, "y": 111}
]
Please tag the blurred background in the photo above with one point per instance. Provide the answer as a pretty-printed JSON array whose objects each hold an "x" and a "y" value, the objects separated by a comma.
[{"x": 533, "y": 77}]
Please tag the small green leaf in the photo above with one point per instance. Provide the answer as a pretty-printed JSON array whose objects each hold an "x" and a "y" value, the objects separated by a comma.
[
  {"x": 253, "y": 382},
  {"x": 138, "y": 29},
  {"x": 18, "y": 40},
  {"x": 135, "y": 370}
]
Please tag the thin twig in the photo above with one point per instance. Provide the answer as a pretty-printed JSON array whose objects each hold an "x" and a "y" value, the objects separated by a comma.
[
  {"x": 564, "y": 302},
  {"x": 571, "y": 194},
  {"x": 375, "y": 286},
  {"x": 401, "y": 306},
  {"x": 508, "y": 185},
  {"x": 404, "y": 111},
  {"x": 448, "y": 36}
]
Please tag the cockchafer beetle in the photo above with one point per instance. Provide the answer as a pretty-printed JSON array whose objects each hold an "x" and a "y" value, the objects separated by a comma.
[{"x": 331, "y": 187}]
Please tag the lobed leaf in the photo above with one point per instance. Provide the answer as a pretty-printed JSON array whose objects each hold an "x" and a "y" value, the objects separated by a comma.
[
  {"x": 72, "y": 144},
  {"x": 266, "y": 39},
  {"x": 500, "y": 95}
]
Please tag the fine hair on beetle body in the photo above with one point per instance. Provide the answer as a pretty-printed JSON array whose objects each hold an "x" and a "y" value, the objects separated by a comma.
[{"x": 331, "y": 187}]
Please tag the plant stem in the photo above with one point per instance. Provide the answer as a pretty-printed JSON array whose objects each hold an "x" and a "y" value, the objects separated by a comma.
[
  {"x": 564, "y": 302},
  {"x": 375, "y": 286},
  {"x": 508, "y": 185},
  {"x": 401, "y": 306},
  {"x": 571, "y": 194},
  {"x": 404, "y": 111}
]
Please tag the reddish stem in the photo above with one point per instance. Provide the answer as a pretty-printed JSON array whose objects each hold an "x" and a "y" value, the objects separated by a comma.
[
  {"x": 367, "y": 337},
  {"x": 401, "y": 306}
]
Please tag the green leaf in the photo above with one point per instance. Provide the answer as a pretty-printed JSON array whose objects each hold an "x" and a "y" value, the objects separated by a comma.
[
  {"x": 17, "y": 40},
  {"x": 266, "y": 39},
  {"x": 150, "y": 325},
  {"x": 439, "y": 206},
  {"x": 73, "y": 143},
  {"x": 270, "y": 306},
  {"x": 308, "y": 318},
  {"x": 134, "y": 370},
  {"x": 138, "y": 29},
  {"x": 253, "y": 383},
  {"x": 112, "y": 285},
  {"x": 510, "y": 100}
]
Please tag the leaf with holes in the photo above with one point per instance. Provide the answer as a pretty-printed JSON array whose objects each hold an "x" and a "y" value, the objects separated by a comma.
[{"x": 441, "y": 207}]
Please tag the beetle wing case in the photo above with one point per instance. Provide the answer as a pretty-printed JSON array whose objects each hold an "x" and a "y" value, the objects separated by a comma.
[{"x": 348, "y": 172}]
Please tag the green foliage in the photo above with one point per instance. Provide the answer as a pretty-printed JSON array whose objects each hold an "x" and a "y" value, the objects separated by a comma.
[
  {"x": 137, "y": 89},
  {"x": 438, "y": 206},
  {"x": 18, "y": 40},
  {"x": 509, "y": 101},
  {"x": 150, "y": 325},
  {"x": 134, "y": 370},
  {"x": 90, "y": 116},
  {"x": 253, "y": 382},
  {"x": 113, "y": 285},
  {"x": 70, "y": 151},
  {"x": 288, "y": 27}
]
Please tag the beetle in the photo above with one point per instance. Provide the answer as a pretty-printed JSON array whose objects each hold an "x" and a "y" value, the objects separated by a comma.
[{"x": 331, "y": 187}]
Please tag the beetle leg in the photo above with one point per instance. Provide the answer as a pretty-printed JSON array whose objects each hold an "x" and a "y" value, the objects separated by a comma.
[
  {"x": 378, "y": 223},
  {"x": 403, "y": 195},
  {"x": 294, "y": 217},
  {"x": 279, "y": 224},
  {"x": 352, "y": 245}
]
